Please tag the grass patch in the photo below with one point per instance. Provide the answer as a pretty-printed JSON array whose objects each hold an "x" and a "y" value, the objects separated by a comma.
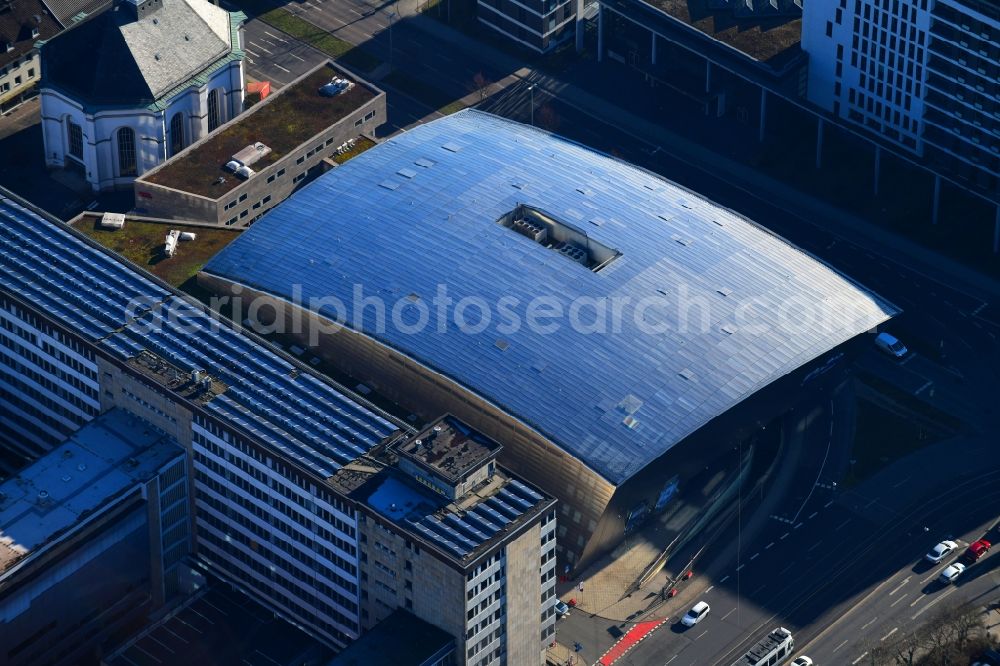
[
  {"x": 285, "y": 122},
  {"x": 142, "y": 244},
  {"x": 454, "y": 107},
  {"x": 425, "y": 94},
  {"x": 363, "y": 143},
  {"x": 338, "y": 49}
]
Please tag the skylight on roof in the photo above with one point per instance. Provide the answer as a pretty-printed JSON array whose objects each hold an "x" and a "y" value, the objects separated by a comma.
[{"x": 559, "y": 236}]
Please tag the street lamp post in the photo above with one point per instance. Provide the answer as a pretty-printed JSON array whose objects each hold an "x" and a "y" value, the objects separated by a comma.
[{"x": 531, "y": 89}]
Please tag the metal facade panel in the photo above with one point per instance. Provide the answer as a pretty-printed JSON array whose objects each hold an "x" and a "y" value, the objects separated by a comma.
[{"x": 439, "y": 228}]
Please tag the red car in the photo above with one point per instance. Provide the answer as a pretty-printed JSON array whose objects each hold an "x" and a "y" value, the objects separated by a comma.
[{"x": 976, "y": 550}]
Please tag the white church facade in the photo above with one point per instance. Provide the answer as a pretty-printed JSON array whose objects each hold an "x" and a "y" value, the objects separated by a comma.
[{"x": 129, "y": 88}]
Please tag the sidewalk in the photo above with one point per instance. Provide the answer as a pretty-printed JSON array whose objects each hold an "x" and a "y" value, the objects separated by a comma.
[{"x": 811, "y": 210}]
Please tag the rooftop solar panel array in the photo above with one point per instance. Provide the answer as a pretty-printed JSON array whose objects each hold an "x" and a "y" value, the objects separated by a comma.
[
  {"x": 725, "y": 297},
  {"x": 118, "y": 308},
  {"x": 461, "y": 535}
]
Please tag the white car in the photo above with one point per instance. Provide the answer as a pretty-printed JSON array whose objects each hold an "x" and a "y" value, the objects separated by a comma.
[
  {"x": 696, "y": 614},
  {"x": 802, "y": 661},
  {"x": 951, "y": 572},
  {"x": 562, "y": 608},
  {"x": 890, "y": 345},
  {"x": 940, "y": 551}
]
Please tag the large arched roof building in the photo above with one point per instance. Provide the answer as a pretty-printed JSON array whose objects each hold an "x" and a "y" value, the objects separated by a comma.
[{"x": 599, "y": 315}]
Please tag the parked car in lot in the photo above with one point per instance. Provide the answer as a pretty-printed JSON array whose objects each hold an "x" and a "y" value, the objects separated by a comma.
[
  {"x": 561, "y": 608},
  {"x": 975, "y": 551},
  {"x": 697, "y": 613},
  {"x": 951, "y": 572},
  {"x": 890, "y": 345},
  {"x": 802, "y": 661},
  {"x": 941, "y": 551}
]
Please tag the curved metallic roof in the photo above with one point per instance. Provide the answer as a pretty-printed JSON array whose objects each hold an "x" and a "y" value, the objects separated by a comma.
[{"x": 419, "y": 213}]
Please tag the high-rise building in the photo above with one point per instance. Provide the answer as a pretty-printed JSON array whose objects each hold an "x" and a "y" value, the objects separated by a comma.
[
  {"x": 923, "y": 74},
  {"x": 452, "y": 537},
  {"x": 91, "y": 536}
]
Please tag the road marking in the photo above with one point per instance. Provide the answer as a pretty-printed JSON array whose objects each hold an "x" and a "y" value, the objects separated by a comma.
[
  {"x": 840, "y": 646},
  {"x": 300, "y": 59},
  {"x": 754, "y": 556},
  {"x": 899, "y": 483},
  {"x": 724, "y": 579},
  {"x": 787, "y": 568},
  {"x": 931, "y": 603},
  {"x": 917, "y": 600},
  {"x": 769, "y": 546},
  {"x": 884, "y": 638},
  {"x": 740, "y": 567},
  {"x": 979, "y": 309},
  {"x": 287, "y": 71},
  {"x": 814, "y": 546},
  {"x": 255, "y": 45},
  {"x": 701, "y": 634},
  {"x": 255, "y": 55},
  {"x": 901, "y": 597},
  {"x": 898, "y": 587},
  {"x": 797, "y": 526},
  {"x": 250, "y": 60},
  {"x": 869, "y": 623},
  {"x": 863, "y": 655},
  {"x": 783, "y": 536},
  {"x": 709, "y": 590},
  {"x": 731, "y": 611},
  {"x": 923, "y": 388},
  {"x": 758, "y": 589},
  {"x": 813, "y": 515},
  {"x": 828, "y": 504},
  {"x": 671, "y": 659},
  {"x": 273, "y": 36},
  {"x": 870, "y": 503}
]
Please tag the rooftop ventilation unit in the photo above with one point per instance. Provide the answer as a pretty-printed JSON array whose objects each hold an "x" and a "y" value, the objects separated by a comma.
[
  {"x": 336, "y": 86},
  {"x": 251, "y": 154},
  {"x": 233, "y": 165},
  {"x": 112, "y": 221},
  {"x": 559, "y": 236},
  {"x": 245, "y": 172}
]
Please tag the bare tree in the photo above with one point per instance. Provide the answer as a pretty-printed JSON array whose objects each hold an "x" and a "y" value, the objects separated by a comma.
[{"x": 482, "y": 85}]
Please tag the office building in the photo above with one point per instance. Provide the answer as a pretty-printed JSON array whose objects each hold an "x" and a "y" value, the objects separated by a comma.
[
  {"x": 609, "y": 327},
  {"x": 923, "y": 75},
  {"x": 450, "y": 536},
  {"x": 22, "y": 23},
  {"x": 91, "y": 536},
  {"x": 539, "y": 25},
  {"x": 267, "y": 441}
]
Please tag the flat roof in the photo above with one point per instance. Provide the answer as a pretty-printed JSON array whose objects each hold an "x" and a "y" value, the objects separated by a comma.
[
  {"x": 711, "y": 307},
  {"x": 221, "y": 627},
  {"x": 101, "y": 461},
  {"x": 760, "y": 37},
  {"x": 464, "y": 527},
  {"x": 402, "y": 639},
  {"x": 137, "y": 319},
  {"x": 284, "y": 121},
  {"x": 449, "y": 448}
]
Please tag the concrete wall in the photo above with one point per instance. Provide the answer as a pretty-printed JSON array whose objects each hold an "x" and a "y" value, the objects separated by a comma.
[
  {"x": 242, "y": 205},
  {"x": 524, "y": 593}
]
